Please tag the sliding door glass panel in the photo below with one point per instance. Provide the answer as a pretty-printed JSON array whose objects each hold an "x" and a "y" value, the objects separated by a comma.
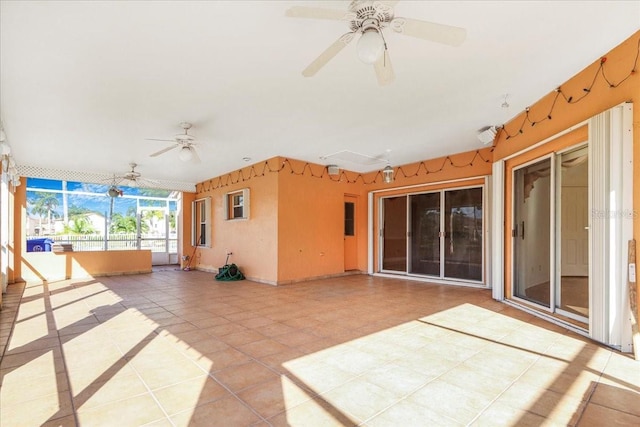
[
  {"x": 572, "y": 292},
  {"x": 531, "y": 233},
  {"x": 425, "y": 234},
  {"x": 463, "y": 234},
  {"x": 394, "y": 254}
]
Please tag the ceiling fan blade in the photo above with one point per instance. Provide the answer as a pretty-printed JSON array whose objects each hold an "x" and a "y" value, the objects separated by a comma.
[
  {"x": 163, "y": 140},
  {"x": 384, "y": 70},
  {"x": 328, "y": 54},
  {"x": 439, "y": 33},
  {"x": 316, "y": 13},
  {"x": 164, "y": 150}
]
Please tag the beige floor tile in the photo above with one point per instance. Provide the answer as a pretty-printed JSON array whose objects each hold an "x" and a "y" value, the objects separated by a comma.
[
  {"x": 137, "y": 410},
  {"x": 557, "y": 407},
  {"x": 158, "y": 376},
  {"x": 79, "y": 379},
  {"x": 426, "y": 363},
  {"x": 499, "y": 414},
  {"x": 433, "y": 353},
  {"x": 16, "y": 388},
  {"x": 115, "y": 386},
  {"x": 275, "y": 396},
  {"x": 451, "y": 401},
  {"x": 224, "y": 412},
  {"x": 466, "y": 377},
  {"x": 189, "y": 394},
  {"x": 317, "y": 376},
  {"x": 622, "y": 371},
  {"x": 36, "y": 411},
  {"x": 68, "y": 421},
  {"x": 313, "y": 413},
  {"x": 396, "y": 379},
  {"x": 360, "y": 399},
  {"x": 409, "y": 414}
]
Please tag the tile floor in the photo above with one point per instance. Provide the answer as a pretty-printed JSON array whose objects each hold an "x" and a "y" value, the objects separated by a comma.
[{"x": 176, "y": 348}]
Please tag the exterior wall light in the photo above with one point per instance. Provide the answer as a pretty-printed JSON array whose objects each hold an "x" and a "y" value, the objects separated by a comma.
[{"x": 387, "y": 174}]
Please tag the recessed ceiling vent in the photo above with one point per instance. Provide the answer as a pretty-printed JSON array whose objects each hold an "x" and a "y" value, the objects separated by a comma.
[{"x": 355, "y": 158}]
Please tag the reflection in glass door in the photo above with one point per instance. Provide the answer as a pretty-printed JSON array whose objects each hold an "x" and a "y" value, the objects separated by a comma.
[
  {"x": 463, "y": 234},
  {"x": 444, "y": 243},
  {"x": 394, "y": 239},
  {"x": 425, "y": 234},
  {"x": 572, "y": 292},
  {"x": 532, "y": 233}
]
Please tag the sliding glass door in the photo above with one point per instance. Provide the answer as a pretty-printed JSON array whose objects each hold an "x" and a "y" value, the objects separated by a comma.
[
  {"x": 425, "y": 234},
  {"x": 394, "y": 235},
  {"x": 437, "y": 234},
  {"x": 550, "y": 233},
  {"x": 463, "y": 234},
  {"x": 532, "y": 233}
]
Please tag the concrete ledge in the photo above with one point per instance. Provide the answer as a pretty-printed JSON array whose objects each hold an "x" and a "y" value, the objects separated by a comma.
[{"x": 39, "y": 266}]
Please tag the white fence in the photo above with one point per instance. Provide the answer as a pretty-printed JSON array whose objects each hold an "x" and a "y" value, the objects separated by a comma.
[{"x": 115, "y": 242}]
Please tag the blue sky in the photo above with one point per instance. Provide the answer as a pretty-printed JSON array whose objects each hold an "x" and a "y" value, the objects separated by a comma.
[{"x": 93, "y": 196}]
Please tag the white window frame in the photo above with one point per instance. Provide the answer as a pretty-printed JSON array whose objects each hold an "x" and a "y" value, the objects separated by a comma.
[
  {"x": 229, "y": 206},
  {"x": 201, "y": 222}
]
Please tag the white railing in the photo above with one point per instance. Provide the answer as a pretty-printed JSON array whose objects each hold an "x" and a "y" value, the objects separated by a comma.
[{"x": 115, "y": 242}]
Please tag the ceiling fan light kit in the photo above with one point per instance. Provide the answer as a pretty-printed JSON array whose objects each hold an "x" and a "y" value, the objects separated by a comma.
[
  {"x": 370, "y": 46},
  {"x": 185, "y": 154},
  {"x": 370, "y": 18},
  {"x": 184, "y": 141}
]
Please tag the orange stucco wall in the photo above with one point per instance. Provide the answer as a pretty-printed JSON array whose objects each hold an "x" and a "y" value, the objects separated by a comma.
[
  {"x": 618, "y": 65},
  {"x": 253, "y": 241},
  {"x": 311, "y": 222},
  {"x": 39, "y": 266},
  {"x": 295, "y": 229}
]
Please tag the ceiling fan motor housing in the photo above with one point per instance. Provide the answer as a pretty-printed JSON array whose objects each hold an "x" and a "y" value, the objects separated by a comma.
[{"x": 368, "y": 14}]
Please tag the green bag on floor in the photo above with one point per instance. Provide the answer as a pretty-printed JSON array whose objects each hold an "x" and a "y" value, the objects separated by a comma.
[{"x": 229, "y": 272}]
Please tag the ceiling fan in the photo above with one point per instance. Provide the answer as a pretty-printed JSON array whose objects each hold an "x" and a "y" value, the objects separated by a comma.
[
  {"x": 132, "y": 178},
  {"x": 184, "y": 141},
  {"x": 370, "y": 18}
]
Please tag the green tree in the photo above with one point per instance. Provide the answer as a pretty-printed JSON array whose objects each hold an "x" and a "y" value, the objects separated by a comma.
[
  {"x": 126, "y": 224},
  {"x": 45, "y": 204},
  {"x": 75, "y": 210},
  {"x": 80, "y": 225}
]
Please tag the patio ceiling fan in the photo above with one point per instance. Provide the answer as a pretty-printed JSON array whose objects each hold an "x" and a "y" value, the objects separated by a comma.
[
  {"x": 369, "y": 19},
  {"x": 184, "y": 141},
  {"x": 132, "y": 178}
]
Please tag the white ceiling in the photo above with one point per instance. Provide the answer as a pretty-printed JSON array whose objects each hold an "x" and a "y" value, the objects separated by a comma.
[{"x": 82, "y": 84}]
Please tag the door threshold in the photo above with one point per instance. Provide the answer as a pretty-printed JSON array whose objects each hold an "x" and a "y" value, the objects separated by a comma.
[{"x": 578, "y": 327}]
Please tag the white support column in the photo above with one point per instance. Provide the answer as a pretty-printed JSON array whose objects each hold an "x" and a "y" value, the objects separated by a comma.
[
  {"x": 370, "y": 234},
  {"x": 4, "y": 232},
  {"x": 496, "y": 247},
  {"x": 611, "y": 224}
]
